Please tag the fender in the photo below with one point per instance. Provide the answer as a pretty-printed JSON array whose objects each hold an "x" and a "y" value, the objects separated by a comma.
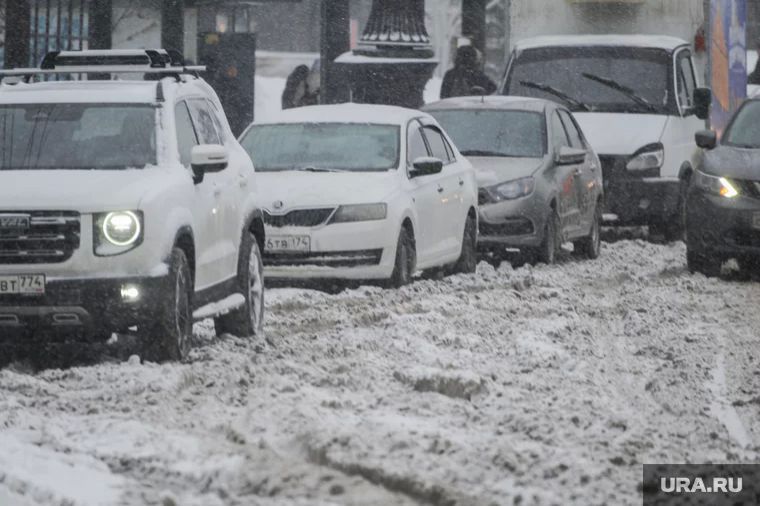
[{"x": 178, "y": 221}]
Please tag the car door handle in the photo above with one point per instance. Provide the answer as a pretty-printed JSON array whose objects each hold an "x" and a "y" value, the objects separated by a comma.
[
  {"x": 440, "y": 189},
  {"x": 461, "y": 182}
]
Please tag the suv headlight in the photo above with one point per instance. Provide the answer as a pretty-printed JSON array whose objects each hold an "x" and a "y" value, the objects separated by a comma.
[
  {"x": 117, "y": 232},
  {"x": 647, "y": 158},
  {"x": 360, "y": 212},
  {"x": 512, "y": 189},
  {"x": 716, "y": 185}
]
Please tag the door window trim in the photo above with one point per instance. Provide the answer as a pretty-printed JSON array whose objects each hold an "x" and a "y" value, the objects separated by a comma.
[{"x": 683, "y": 52}]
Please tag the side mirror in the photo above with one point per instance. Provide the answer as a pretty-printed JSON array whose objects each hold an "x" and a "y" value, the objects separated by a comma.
[
  {"x": 702, "y": 101},
  {"x": 706, "y": 139},
  {"x": 425, "y": 166},
  {"x": 208, "y": 158},
  {"x": 570, "y": 156}
]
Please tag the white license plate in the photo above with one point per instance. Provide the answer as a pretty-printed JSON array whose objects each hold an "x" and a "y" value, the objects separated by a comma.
[
  {"x": 25, "y": 284},
  {"x": 756, "y": 220},
  {"x": 289, "y": 243}
]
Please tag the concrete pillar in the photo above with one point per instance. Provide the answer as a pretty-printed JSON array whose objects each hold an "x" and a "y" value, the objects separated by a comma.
[
  {"x": 335, "y": 40},
  {"x": 474, "y": 22},
  {"x": 101, "y": 24},
  {"x": 172, "y": 25},
  {"x": 17, "y": 32}
]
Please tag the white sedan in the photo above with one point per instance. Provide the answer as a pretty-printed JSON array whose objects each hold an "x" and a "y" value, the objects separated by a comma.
[{"x": 362, "y": 192}]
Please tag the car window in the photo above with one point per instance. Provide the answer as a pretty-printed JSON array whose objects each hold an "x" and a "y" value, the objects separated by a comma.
[
  {"x": 437, "y": 143},
  {"x": 216, "y": 115},
  {"x": 504, "y": 133},
  {"x": 572, "y": 130},
  {"x": 559, "y": 135},
  {"x": 685, "y": 80},
  {"x": 186, "y": 138},
  {"x": 416, "y": 144},
  {"x": 744, "y": 130},
  {"x": 203, "y": 119}
]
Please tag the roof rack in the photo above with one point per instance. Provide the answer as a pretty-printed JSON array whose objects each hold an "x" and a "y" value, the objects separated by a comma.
[{"x": 147, "y": 61}]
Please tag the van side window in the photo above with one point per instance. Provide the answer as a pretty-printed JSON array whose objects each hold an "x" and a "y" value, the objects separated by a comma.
[
  {"x": 437, "y": 143},
  {"x": 686, "y": 81},
  {"x": 186, "y": 137},
  {"x": 559, "y": 135},
  {"x": 575, "y": 136},
  {"x": 416, "y": 143}
]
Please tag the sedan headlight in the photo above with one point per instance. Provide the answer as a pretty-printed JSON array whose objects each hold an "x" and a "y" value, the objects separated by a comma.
[
  {"x": 512, "y": 189},
  {"x": 716, "y": 185},
  {"x": 117, "y": 232},
  {"x": 360, "y": 212},
  {"x": 647, "y": 158}
]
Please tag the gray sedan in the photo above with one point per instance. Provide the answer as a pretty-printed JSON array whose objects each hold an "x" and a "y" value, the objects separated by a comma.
[{"x": 540, "y": 183}]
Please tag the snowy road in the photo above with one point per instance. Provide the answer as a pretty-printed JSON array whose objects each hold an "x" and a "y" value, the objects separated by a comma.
[{"x": 547, "y": 385}]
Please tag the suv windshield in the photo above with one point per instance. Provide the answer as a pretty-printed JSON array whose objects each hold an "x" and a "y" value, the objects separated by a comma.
[
  {"x": 602, "y": 79},
  {"x": 495, "y": 132},
  {"x": 323, "y": 147},
  {"x": 77, "y": 136},
  {"x": 744, "y": 131}
]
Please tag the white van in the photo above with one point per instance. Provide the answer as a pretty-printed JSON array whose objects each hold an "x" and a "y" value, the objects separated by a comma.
[{"x": 637, "y": 98}]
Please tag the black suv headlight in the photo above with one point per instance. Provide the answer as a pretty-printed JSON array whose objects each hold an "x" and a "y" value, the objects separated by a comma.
[
  {"x": 117, "y": 232},
  {"x": 716, "y": 185}
]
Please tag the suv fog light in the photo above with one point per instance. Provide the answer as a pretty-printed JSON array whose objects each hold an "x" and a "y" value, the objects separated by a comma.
[{"x": 130, "y": 293}]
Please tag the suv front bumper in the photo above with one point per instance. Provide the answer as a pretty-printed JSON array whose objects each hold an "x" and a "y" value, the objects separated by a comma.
[
  {"x": 726, "y": 227},
  {"x": 102, "y": 305}
]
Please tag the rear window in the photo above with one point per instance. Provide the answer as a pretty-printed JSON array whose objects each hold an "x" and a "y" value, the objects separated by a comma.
[{"x": 495, "y": 132}]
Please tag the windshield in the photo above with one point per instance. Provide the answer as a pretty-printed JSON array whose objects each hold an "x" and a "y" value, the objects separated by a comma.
[
  {"x": 603, "y": 79},
  {"x": 323, "y": 147},
  {"x": 495, "y": 132},
  {"x": 744, "y": 131},
  {"x": 77, "y": 136}
]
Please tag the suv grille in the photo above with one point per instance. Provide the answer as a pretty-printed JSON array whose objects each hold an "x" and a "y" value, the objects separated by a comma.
[
  {"x": 52, "y": 237},
  {"x": 299, "y": 218}
]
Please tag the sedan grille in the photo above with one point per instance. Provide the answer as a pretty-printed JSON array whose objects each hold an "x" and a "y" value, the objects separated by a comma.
[
  {"x": 50, "y": 237},
  {"x": 299, "y": 218}
]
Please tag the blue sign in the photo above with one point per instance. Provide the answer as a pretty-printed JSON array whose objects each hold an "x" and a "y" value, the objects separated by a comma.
[{"x": 728, "y": 59}]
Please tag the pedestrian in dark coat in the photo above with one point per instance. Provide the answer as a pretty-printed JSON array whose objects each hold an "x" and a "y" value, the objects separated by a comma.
[
  {"x": 296, "y": 91},
  {"x": 466, "y": 75}
]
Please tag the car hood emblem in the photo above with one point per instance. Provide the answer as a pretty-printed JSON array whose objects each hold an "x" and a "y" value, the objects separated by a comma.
[{"x": 15, "y": 222}]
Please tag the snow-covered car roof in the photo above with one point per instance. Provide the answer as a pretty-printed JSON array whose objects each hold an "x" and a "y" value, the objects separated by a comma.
[
  {"x": 490, "y": 102},
  {"x": 346, "y": 113},
  {"x": 651, "y": 41},
  {"x": 138, "y": 92}
]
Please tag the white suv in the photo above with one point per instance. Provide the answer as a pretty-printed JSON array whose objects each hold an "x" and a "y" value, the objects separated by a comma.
[{"x": 125, "y": 205}]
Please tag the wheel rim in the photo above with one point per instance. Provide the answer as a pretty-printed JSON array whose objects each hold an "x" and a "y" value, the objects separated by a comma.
[
  {"x": 181, "y": 310},
  {"x": 255, "y": 287},
  {"x": 405, "y": 262},
  {"x": 595, "y": 233}
]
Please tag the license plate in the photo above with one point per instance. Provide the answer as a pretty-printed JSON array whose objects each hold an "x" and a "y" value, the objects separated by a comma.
[
  {"x": 289, "y": 243},
  {"x": 25, "y": 284},
  {"x": 756, "y": 220}
]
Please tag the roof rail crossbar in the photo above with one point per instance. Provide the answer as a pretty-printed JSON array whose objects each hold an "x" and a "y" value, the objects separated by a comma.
[{"x": 105, "y": 69}]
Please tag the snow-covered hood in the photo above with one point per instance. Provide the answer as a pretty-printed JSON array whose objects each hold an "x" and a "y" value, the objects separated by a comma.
[
  {"x": 316, "y": 189},
  {"x": 491, "y": 170},
  {"x": 620, "y": 133},
  {"x": 85, "y": 191}
]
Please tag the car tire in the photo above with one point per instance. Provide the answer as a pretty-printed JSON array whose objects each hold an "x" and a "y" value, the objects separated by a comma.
[
  {"x": 590, "y": 246},
  {"x": 547, "y": 252},
  {"x": 247, "y": 320},
  {"x": 168, "y": 337},
  {"x": 701, "y": 262},
  {"x": 468, "y": 259},
  {"x": 406, "y": 260}
]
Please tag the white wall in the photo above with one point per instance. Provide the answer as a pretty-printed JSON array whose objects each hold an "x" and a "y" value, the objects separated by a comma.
[{"x": 679, "y": 18}]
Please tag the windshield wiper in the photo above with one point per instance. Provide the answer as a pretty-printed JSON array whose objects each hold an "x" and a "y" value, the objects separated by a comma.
[
  {"x": 557, "y": 93},
  {"x": 317, "y": 169},
  {"x": 625, "y": 90},
  {"x": 479, "y": 152}
]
